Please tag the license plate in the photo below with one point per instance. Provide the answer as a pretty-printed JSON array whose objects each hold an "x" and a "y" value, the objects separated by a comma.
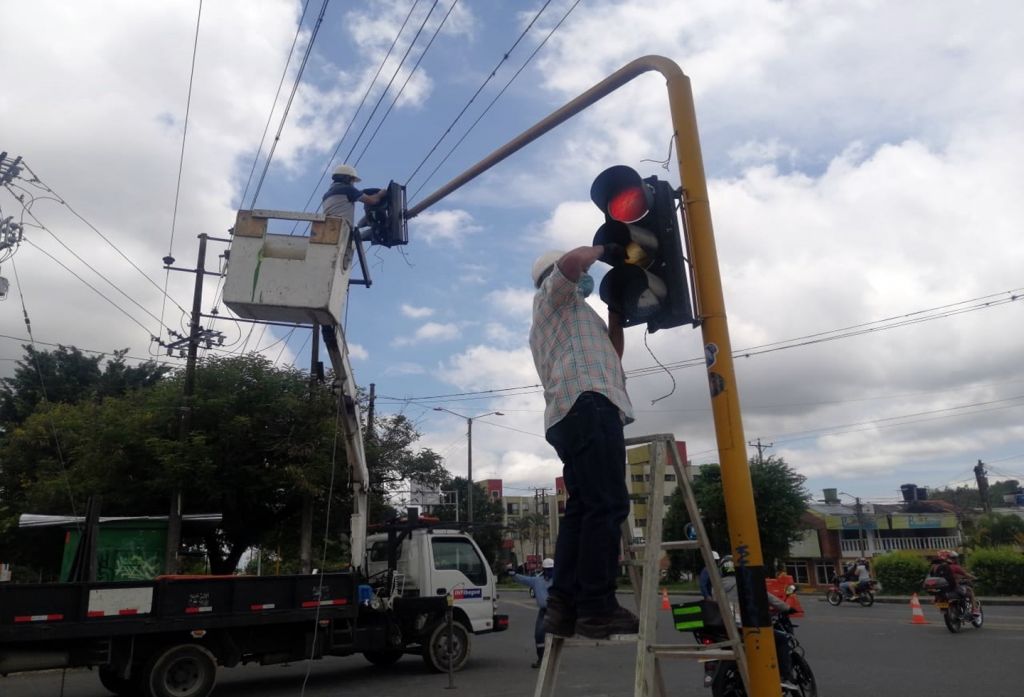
[{"x": 941, "y": 604}]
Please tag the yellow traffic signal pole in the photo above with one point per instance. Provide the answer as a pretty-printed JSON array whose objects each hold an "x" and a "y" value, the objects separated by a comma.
[{"x": 758, "y": 640}]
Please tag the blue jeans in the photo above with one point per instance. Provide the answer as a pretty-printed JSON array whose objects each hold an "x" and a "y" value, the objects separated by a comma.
[{"x": 590, "y": 443}]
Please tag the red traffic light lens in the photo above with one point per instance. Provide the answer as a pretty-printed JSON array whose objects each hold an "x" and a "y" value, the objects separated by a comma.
[{"x": 628, "y": 205}]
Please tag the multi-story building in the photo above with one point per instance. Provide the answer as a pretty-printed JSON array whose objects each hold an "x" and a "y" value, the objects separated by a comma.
[
  {"x": 639, "y": 467},
  {"x": 530, "y": 520}
]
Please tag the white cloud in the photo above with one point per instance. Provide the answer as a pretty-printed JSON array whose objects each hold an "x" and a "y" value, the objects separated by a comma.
[
  {"x": 430, "y": 332},
  {"x": 357, "y": 352},
  {"x": 416, "y": 312},
  {"x": 447, "y": 227},
  {"x": 512, "y": 302}
]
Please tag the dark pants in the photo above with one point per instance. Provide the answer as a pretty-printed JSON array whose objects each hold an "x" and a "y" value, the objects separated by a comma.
[
  {"x": 538, "y": 632},
  {"x": 589, "y": 441}
]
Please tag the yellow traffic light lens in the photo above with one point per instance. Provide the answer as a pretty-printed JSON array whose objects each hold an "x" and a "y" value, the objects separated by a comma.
[{"x": 628, "y": 205}]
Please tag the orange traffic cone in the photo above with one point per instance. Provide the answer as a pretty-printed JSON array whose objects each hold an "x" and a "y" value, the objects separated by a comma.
[
  {"x": 918, "y": 613},
  {"x": 665, "y": 605}
]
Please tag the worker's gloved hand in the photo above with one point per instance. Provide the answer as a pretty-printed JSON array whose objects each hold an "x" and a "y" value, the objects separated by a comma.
[{"x": 613, "y": 254}]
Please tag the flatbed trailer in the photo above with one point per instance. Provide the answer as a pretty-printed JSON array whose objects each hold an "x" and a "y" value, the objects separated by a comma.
[{"x": 154, "y": 637}]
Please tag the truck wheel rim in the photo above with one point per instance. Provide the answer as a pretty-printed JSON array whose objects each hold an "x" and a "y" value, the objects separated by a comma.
[{"x": 182, "y": 677}]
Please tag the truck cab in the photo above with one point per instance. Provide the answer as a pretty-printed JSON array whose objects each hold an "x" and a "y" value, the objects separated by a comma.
[{"x": 432, "y": 560}]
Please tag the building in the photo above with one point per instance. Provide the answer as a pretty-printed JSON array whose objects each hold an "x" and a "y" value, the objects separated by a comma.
[
  {"x": 836, "y": 532},
  {"x": 530, "y": 520},
  {"x": 639, "y": 470}
]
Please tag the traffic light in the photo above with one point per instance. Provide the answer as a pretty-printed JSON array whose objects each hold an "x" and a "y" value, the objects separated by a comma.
[
  {"x": 640, "y": 215},
  {"x": 387, "y": 218}
]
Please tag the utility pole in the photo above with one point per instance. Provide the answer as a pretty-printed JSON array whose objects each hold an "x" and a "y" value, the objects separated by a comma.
[
  {"x": 860, "y": 525},
  {"x": 760, "y": 450},
  {"x": 196, "y": 335},
  {"x": 979, "y": 474}
]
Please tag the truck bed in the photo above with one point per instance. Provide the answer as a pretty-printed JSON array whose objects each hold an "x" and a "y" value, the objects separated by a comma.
[{"x": 53, "y": 611}]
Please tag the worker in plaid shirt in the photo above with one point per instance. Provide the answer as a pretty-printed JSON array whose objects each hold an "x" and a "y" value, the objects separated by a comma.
[{"x": 579, "y": 360}]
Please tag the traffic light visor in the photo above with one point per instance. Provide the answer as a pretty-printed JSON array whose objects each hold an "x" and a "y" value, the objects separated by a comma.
[{"x": 621, "y": 194}]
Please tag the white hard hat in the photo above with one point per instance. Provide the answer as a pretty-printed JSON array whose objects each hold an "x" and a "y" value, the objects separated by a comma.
[
  {"x": 346, "y": 170},
  {"x": 548, "y": 563},
  {"x": 715, "y": 555},
  {"x": 544, "y": 262}
]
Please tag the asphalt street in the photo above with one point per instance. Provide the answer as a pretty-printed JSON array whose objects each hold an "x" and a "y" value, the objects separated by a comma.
[{"x": 854, "y": 652}]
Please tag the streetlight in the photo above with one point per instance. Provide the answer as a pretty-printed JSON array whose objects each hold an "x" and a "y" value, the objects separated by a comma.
[{"x": 469, "y": 468}]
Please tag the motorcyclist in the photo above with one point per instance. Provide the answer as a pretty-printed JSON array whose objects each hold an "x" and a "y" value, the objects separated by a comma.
[
  {"x": 849, "y": 576},
  {"x": 704, "y": 581},
  {"x": 776, "y": 605},
  {"x": 863, "y": 576},
  {"x": 962, "y": 579}
]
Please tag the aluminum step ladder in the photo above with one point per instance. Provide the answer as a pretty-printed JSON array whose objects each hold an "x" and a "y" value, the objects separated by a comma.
[{"x": 643, "y": 563}]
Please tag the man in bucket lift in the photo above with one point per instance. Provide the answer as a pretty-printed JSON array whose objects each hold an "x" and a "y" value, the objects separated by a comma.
[{"x": 339, "y": 200}]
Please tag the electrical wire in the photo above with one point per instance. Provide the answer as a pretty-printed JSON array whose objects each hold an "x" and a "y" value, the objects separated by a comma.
[
  {"x": 496, "y": 98},
  {"x": 479, "y": 89},
  {"x": 273, "y": 105},
  {"x": 85, "y": 350},
  {"x": 407, "y": 78},
  {"x": 980, "y": 303},
  {"x": 291, "y": 97},
  {"x": 355, "y": 115},
  {"x": 60, "y": 199},
  {"x": 392, "y": 80},
  {"x": 181, "y": 159}
]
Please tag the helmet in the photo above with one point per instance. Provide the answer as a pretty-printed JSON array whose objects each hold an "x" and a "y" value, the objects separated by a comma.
[
  {"x": 943, "y": 555},
  {"x": 544, "y": 262},
  {"x": 715, "y": 556},
  {"x": 548, "y": 563},
  {"x": 727, "y": 566},
  {"x": 953, "y": 556},
  {"x": 346, "y": 171}
]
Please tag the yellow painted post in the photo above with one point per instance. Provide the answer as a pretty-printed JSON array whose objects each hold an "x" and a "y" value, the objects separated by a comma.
[{"x": 738, "y": 491}]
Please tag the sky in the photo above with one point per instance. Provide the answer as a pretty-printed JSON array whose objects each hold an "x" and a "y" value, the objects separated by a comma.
[{"x": 863, "y": 162}]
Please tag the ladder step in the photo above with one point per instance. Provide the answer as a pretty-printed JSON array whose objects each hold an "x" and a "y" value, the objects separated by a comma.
[{"x": 675, "y": 544}]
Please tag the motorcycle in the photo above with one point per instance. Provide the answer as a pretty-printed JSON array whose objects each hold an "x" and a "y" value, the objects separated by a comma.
[
  {"x": 723, "y": 677},
  {"x": 954, "y": 605},
  {"x": 864, "y": 593}
]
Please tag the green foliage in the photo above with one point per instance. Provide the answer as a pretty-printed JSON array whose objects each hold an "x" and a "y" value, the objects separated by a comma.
[
  {"x": 779, "y": 496},
  {"x": 1000, "y": 570},
  {"x": 993, "y": 530},
  {"x": 966, "y": 498},
  {"x": 900, "y": 572}
]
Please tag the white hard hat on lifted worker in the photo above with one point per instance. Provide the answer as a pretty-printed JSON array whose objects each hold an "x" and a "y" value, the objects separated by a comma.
[
  {"x": 544, "y": 262},
  {"x": 346, "y": 171},
  {"x": 548, "y": 563}
]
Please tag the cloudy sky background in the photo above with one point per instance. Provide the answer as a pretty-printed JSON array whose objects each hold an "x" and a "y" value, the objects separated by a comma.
[{"x": 864, "y": 162}]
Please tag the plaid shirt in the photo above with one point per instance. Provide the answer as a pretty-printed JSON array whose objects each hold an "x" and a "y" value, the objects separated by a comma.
[{"x": 572, "y": 351}]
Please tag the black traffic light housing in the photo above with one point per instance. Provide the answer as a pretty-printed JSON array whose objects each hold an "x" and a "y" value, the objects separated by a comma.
[
  {"x": 387, "y": 218},
  {"x": 651, "y": 286}
]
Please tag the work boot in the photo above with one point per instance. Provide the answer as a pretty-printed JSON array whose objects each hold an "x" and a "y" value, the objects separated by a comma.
[
  {"x": 560, "y": 617},
  {"x": 619, "y": 621}
]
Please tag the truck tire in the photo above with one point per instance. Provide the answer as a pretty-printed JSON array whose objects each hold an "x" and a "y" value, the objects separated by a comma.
[
  {"x": 111, "y": 679},
  {"x": 436, "y": 652},
  {"x": 181, "y": 670},
  {"x": 384, "y": 657}
]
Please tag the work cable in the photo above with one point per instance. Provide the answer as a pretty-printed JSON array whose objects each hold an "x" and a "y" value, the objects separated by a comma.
[
  {"x": 407, "y": 78},
  {"x": 288, "y": 105},
  {"x": 479, "y": 89},
  {"x": 273, "y": 105},
  {"x": 355, "y": 115}
]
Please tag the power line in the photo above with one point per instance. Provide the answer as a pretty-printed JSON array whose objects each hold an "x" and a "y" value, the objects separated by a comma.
[
  {"x": 62, "y": 201},
  {"x": 478, "y": 91},
  {"x": 85, "y": 350},
  {"x": 273, "y": 105},
  {"x": 355, "y": 115},
  {"x": 392, "y": 80},
  {"x": 982, "y": 303},
  {"x": 291, "y": 97},
  {"x": 496, "y": 98},
  {"x": 407, "y": 78}
]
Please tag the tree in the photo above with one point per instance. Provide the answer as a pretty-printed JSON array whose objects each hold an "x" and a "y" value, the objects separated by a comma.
[
  {"x": 780, "y": 499},
  {"x": 67, "y": 376},
  {"x": 994, "y": 530}
]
